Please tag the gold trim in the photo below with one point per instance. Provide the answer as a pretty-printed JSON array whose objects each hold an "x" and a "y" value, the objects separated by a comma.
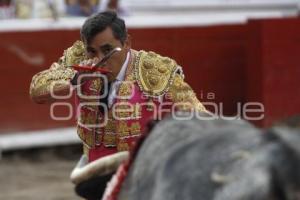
[
  {"x": 154, "y": 73},
  {"x": 85, "y": 149},
  {"x": 183, "y": 95},
  {"x": 60, "y": 73}
]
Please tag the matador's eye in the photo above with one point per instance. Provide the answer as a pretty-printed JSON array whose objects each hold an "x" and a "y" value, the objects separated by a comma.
[{"x": 106, "y": 49}]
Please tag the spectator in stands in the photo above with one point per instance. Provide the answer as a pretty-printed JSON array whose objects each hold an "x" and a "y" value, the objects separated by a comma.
[
  {"x": 80, "y": 7},
  {"x": 88, "y": 7},
  {"x": 7, "y": 9}
]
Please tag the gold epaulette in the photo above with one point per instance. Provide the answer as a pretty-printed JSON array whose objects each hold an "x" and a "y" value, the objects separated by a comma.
[
  {"x": 74, "y": 54},
  {"x": 154, "y": 73}
]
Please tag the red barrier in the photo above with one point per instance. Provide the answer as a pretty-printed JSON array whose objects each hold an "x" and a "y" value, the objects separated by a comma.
[
  {"x": 273, "y": 68},
  {"x": 228, "y": 65}
]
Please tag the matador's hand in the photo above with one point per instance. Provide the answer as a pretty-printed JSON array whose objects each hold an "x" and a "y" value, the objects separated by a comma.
[{"x": 84, "y": 68}]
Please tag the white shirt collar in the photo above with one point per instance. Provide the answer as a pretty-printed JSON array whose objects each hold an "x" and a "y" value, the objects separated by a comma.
[
  {"x": 121, "y": 75},
  {"x": 119, "y": 78}
]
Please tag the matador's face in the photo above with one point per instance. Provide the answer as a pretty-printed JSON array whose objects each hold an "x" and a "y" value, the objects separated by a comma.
[{"x": 102, "y": 44}]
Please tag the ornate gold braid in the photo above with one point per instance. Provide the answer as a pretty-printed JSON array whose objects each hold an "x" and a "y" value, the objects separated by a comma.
[
  {"x": 162, "y": 70},
  {"x": 180, "y": 92},
  {"x": 60, "y": 73},
  {"x": 154, "y": 73}
]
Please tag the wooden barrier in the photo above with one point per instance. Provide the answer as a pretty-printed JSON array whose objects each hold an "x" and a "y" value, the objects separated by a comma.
[
  {"x": 273, "y": 68},
  {"x": 227, "y": 64}
]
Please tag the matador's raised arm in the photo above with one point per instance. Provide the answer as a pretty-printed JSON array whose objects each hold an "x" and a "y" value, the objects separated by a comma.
[{"x": 58, "y": 76}]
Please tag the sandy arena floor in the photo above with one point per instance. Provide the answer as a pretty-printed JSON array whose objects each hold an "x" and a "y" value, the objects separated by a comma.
[{"x": 38, "y": 174}]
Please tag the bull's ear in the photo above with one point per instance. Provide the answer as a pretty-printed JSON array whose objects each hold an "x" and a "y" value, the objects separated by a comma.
[
  {"x": 256, "y": 184},
  {"x": 289, "y": 137},
  {"x": 285, "y": 165}
]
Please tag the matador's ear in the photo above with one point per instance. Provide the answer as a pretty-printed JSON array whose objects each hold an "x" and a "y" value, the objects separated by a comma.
[{"x": 127, "y": 43}]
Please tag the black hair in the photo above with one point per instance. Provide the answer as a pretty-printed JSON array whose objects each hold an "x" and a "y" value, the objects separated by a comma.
[{"x": 98, "y": 22}]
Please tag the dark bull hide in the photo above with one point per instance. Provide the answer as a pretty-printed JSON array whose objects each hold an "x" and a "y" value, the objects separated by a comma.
[{"x": 219, "y": 160}]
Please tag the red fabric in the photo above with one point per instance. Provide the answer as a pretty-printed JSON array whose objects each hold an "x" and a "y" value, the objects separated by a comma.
[{"x": 100, "y": 152}]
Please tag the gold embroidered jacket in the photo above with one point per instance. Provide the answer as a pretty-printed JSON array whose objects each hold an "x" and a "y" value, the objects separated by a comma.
[{"x": 155, "y": 75}]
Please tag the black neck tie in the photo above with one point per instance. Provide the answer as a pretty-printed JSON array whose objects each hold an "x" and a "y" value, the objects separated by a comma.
[{"x": 104, "y": 100}]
